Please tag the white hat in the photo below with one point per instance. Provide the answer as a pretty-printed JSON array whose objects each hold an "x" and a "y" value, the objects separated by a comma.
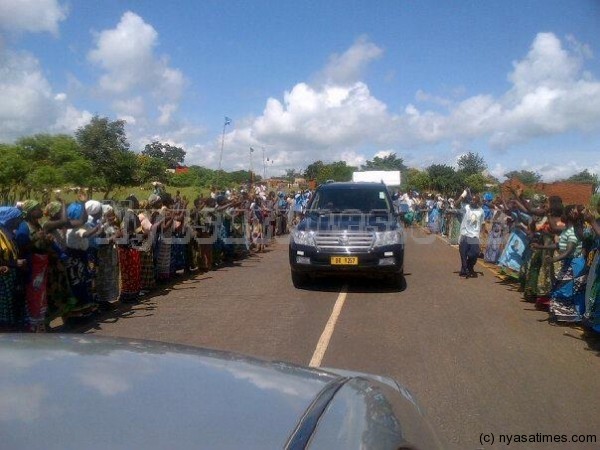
[{"x": 93, "y": 207}]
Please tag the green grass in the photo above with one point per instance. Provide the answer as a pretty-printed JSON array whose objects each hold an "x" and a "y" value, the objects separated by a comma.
[
  {"x": 121, "y": 193},
  {"x": 142, "y": 194}
]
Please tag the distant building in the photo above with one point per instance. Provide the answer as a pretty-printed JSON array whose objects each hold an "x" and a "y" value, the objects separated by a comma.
[
  {"x": 182, "y": 169},
  {"x": 569, "y": 192},
  {"x": 275, "y": 183}
]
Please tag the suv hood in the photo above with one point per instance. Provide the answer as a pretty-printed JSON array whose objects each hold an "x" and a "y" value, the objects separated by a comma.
[{"x": 325, "y": 221}]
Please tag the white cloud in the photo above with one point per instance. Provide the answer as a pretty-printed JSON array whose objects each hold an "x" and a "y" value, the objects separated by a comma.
[
  {"x": 546, "y": 65},
  {"x": 329, "y": 123},
  {"x": 32, "y": 15},
  {"x": 127, "y": 56},
  {"x": 28, "y": 103},
  {"x": 348, "y": 67},
  {"x": 383, "y": 154},
  {"x": 550, "y": 95},
  {"x": 166, "y": 111},
  {"x": 130, "y": 107}
]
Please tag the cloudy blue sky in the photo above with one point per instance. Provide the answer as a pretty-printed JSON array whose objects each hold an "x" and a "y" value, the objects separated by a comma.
[{"x": 517, "y": 81}]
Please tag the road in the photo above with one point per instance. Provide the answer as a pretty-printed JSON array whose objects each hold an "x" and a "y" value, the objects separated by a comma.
[{"x": 477, "y": 357}]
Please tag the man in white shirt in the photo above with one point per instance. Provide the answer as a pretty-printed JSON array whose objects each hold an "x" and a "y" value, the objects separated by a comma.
[{"x": 470, "y": 227}]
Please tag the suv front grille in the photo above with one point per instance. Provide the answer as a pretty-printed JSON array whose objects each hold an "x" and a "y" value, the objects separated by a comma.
[{"x": 347, "y": 242}]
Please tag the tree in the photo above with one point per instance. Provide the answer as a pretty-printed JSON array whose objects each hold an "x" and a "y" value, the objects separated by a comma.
[
  {"x": 471, "y": 163},
  {"x": 205, "y": 177},
  {"x": 13, "y": 171},
  {"x": 389, "y": 162},
  {"x": 340, "y": 171},
  {"x": 444, "y": 179},
  {"x": 44, "y": 177},
  {"x": 312, "y": 171},
  {"x": 292, "y": 174},
  {"x": 585, "y": 177},
  {"x": 416, "y": 179},
  {"x": 238, "y": 177},
  {"x": 151, "y": 169},
  {"x": 527, "y": 177},
  {"x": 321, "y": 172},
  {"x": 79, "y": 172},
  {"x": 171, "y": 155},
  {"x": 105, "y": 144},
  {"x": 476, "y": 182},
  {"x": 49, "y": 148}
]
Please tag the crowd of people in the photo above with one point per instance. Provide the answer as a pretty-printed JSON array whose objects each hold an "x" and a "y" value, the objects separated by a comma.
[
  {"x": 69, "y": 260},
  {"x": 72, "y": 260},
  {"x": 550, "y": 249}
]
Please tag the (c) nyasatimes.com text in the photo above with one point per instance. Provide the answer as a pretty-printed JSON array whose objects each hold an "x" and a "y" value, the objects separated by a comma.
[{"x": 508, "y": 439}]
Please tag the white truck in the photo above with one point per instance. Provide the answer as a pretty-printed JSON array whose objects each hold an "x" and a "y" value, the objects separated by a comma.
[{"x": 388, "y": 177}]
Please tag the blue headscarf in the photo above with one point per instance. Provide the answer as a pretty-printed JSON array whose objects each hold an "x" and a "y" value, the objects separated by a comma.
[
  {"x": 488, "y": 197},
  {"x": 8, "y": 213},
  {"x": 75, "y": 211}
]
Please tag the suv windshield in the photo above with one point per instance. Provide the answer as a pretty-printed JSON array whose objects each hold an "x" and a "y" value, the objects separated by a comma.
[{"x": 337, "y": 200}]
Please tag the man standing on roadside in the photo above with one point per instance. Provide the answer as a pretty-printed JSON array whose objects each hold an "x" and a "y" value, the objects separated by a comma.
[{"x": 470, "y": 228}]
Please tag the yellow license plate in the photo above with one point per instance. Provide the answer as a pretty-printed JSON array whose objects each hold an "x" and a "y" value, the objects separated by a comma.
[{"x": 344, "y": 261}]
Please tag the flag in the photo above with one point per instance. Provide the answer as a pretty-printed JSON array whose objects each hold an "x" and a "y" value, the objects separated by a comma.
[
  {"x": 251, "y": 150},
  {"x": 227, "y": 121}
]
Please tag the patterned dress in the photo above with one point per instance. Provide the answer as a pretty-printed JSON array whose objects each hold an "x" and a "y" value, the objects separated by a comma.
[
  {"x": 107, "y": 271},
  {"x": 163, "y": 252},
  {"x": 130, "y": 263},
  {"x": 568, "y": 293},
  {"x": 35, "y": 250},
  {"x": 592, "y": 293},
  {"x": 8, "y": 280},
  {"x": 146, "y": 249},
  {"x": 77, "y": 267}
]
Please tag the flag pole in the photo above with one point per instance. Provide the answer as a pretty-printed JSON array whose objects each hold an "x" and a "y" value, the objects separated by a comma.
[
  {"x": 225, "y": 123},
  {"x": 251, "y": 173}
]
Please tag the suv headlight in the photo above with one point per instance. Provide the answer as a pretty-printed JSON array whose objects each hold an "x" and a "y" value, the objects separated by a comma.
[
  {"x": 383, "y": 238},
  {"x": 304, "y": 238}
]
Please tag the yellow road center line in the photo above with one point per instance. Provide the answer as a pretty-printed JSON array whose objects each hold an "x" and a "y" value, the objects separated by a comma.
[{"x": 323, "y": 343}]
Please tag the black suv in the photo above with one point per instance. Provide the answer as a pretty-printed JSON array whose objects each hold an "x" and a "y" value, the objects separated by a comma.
[{"x": 348, "y": 228}]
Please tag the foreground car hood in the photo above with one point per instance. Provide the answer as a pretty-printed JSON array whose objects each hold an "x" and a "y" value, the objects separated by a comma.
[{"x": 84, "y": 392}]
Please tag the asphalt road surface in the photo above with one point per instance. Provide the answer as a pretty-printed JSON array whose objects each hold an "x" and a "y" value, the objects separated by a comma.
[{"x": 477, "y": 357}]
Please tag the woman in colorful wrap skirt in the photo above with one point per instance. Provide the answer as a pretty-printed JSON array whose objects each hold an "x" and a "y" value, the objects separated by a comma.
[
  {"x": 538, "y": 284},
  {"x": 146, "y": 249},
  {"x": 10, "y": 218},
  {"x": 130, "y": 263},
  {"x": 60, "y": 299},
  {"x": 592, "y": 294},
  {"x": 76, "y": 264},
  {"x": 163, "y": 245},
  {"x": 34, "y": 246},
  {"x": 107, "y": 270},
  {"x": 180, "y": 241},
  {"x": 206, "y": 234},
  {"x": 568, "y": 293}
]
